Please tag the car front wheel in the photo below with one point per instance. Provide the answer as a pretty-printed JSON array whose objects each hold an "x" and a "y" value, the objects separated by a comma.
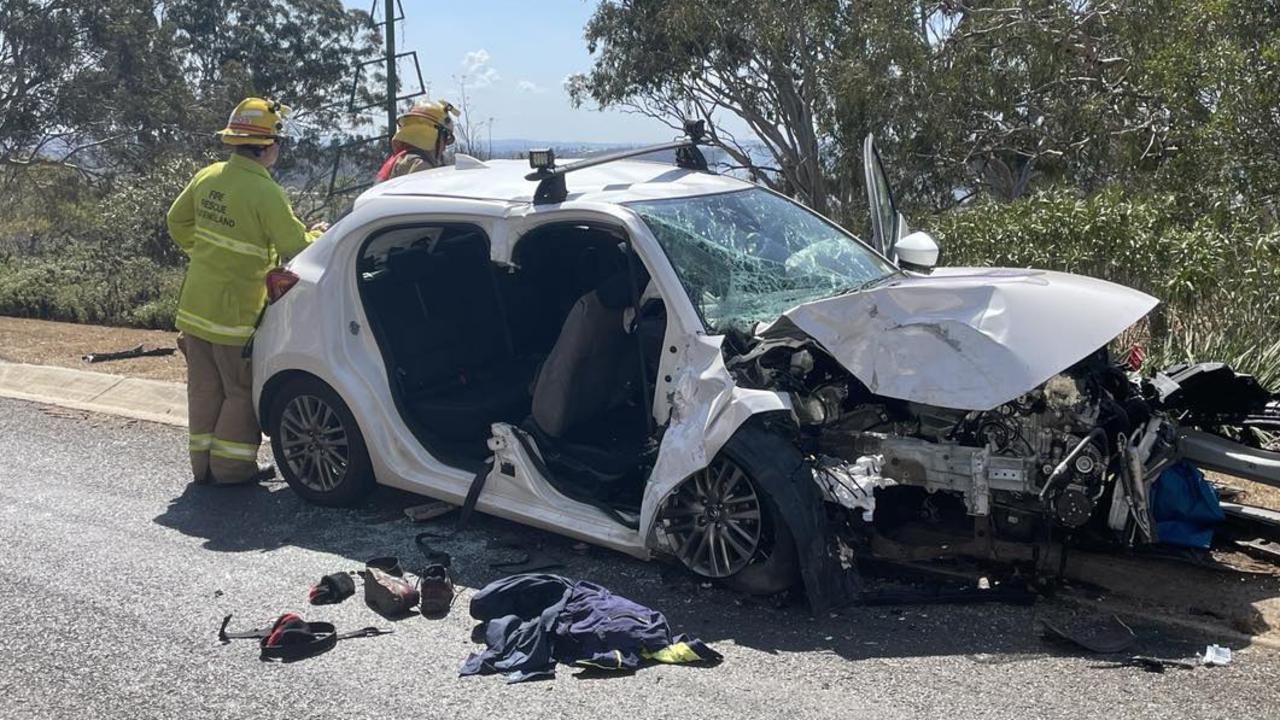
[
  {"x": 724, "y": 526},
  {"x": 317, "y": 444}
]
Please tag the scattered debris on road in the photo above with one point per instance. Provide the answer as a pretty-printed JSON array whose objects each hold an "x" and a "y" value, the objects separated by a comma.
[
  {"x": 1106, "y": 637},
  {"x": 332, "y": 589},
  {"x": 390, "y": 595},
  {"x": 290, "y": 638},
  {"x": 1014, "y": 593},
  {"x": 1153, "y": 664},
  {"x": 1216, "y": 656},
  {"x": 429, "y": 511},
  {"x": 532, "y": 622}
]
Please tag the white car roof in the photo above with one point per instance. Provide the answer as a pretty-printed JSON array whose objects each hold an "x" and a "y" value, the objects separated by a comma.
[{"x": 503, "y": 181}]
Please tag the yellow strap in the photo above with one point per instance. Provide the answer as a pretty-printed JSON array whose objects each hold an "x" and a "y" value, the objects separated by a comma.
[
  {"x": 237, "y": 331},
  {"x": 235, "y": 246},
  {"x": 617, "y": 659},
  {"x": 234, "y": 450},
  {"x": 674, "y": 653},
  {"x": 200, "y": 442}
]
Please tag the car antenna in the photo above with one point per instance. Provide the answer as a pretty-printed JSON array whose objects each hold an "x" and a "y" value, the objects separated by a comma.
[{"x": 551, "y": 185}]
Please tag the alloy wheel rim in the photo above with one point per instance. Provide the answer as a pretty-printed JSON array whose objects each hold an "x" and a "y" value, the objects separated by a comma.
[
  {"x": 715, "y": 520},
  {"x": 314, "y": 443}
]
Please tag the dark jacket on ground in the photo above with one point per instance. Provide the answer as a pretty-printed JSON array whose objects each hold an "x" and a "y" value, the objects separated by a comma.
[{"x": 534, "y": 621}]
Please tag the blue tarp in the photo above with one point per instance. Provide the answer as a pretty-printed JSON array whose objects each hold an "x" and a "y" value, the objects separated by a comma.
[{"x": 1185, "y": 506}]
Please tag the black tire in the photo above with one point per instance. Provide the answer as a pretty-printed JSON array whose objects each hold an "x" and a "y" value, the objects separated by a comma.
[
  {"x": 774, "y": 565},
  {"x": 332, "y": 466},
  {"x": 779, "y": 570}
]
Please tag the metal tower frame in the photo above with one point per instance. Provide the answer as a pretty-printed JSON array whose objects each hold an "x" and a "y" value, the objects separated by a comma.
[{"x": 393, "y": 12}]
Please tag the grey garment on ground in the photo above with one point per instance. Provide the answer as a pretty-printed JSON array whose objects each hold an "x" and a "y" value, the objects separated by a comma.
[
  {"x": 223, "y": 429},
  {"x": 580, "y": 377}
]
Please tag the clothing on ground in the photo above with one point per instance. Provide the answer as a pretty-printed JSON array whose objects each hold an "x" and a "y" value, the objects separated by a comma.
[
  {"x": 533, "y": 621},
  {"x": 234, "y": 223},
  {"x": 224, "y": 434}
]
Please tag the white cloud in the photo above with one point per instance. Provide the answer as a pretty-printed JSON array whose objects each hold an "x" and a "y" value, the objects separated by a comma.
[
  {"x": 528, "y": 86},
  {"x": 476, "y": 68},
  {"x": 475, "y": 60}
]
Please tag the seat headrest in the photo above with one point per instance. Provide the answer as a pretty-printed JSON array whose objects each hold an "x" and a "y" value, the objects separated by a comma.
[
  {"x": 615, "y": 291},
  {"x": 411, "y": 264}
]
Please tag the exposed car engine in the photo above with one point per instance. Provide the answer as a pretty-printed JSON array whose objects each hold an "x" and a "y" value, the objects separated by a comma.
[{"x": 1080, "y": 450}]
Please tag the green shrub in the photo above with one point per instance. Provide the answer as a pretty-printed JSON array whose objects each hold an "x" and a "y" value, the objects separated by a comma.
[
  {"x": 132, "y": 292},
  {"x": 81, "y": 253},
  {"x": 1214, "y": 271},
  {"x": 158, "y": 314}
]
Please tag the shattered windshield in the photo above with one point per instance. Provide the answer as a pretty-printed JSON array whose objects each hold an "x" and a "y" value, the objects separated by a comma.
[{"x": 745, "y": 257}]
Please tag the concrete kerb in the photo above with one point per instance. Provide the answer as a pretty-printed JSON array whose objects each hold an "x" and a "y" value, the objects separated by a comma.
[{"x": 150, "y": 400}]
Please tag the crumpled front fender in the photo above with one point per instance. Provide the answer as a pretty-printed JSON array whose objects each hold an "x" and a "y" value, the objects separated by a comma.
[
  {"x": 710, "y": 414},
  {"x": 707, "y": 408}
]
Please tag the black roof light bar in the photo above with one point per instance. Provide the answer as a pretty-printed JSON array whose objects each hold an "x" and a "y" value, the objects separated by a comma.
[{"x": 551, "y": 185}]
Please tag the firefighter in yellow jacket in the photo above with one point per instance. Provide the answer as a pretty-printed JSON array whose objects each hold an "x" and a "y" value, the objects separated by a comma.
[{"x": 234, "y": 223}]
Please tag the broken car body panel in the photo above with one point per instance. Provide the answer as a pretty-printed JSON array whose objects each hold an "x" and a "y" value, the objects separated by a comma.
[
  {"x": 967, "y": 339},
  {"x": 706, "y": 408}
]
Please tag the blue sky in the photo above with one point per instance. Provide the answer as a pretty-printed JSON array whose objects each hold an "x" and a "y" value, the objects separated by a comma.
[{"x": 515, "y": 55}]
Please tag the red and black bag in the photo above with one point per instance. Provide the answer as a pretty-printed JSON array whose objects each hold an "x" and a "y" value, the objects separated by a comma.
[{"x": 291, "y": 638}]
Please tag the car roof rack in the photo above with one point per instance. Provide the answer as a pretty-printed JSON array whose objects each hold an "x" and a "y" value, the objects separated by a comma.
[{"x": 551, "y": 185}]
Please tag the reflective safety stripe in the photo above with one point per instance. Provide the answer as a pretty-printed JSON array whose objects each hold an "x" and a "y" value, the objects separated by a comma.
[
  {"x": 674, "y": 653},
  {"x": 234, "y": 450},
  {"x": 617, "y": 662},
  {"x": 200, "y": 442},
  {"x": 683, "y": 651},
  {"x": 238, "y": 331},
  {"x": 235, "y": 246},
  {"x": 215, "y": 452}
]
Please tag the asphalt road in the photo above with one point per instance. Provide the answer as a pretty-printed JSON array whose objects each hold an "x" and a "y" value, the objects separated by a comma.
[{"x": 115, "y": 574}]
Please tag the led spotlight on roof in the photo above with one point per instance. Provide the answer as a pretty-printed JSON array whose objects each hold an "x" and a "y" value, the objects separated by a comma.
[{"x": 543, "y": 159}]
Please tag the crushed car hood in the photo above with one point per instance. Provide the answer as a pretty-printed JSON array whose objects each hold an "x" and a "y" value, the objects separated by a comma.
[{"x": 966, "y": 338}]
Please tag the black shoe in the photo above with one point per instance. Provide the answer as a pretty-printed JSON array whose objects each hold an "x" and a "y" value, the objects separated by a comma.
[{"x": 262, "y": 474}]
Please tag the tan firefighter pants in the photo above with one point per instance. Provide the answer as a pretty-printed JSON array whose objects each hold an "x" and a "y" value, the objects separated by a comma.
[{"x": 224, "y": 430}]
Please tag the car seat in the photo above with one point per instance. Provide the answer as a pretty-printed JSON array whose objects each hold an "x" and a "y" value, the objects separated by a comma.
[
  {"x": 455, "y": 365},
  {"x": 591, "y": 359}
]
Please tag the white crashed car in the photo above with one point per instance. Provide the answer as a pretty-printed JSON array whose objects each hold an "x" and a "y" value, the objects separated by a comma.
[{"x": 669, "y": 362}]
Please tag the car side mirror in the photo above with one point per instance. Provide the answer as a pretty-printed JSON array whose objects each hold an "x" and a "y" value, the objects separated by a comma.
[{"x": 917, "y": 252}]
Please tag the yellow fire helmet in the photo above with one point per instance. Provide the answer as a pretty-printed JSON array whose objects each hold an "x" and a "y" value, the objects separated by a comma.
[
  {"x": 424, "y": 122},
  {"x": 255, "y": 121}
]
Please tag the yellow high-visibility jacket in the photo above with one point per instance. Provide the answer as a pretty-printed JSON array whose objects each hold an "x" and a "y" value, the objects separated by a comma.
[{"x": 235, "y": 223}]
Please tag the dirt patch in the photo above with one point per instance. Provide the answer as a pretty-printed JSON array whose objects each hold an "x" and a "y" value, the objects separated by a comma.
[
  {"x": 41, "y": 342},
  {"x": 1232, "y": 591},
  {"x": 1254, "y": 493}
]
